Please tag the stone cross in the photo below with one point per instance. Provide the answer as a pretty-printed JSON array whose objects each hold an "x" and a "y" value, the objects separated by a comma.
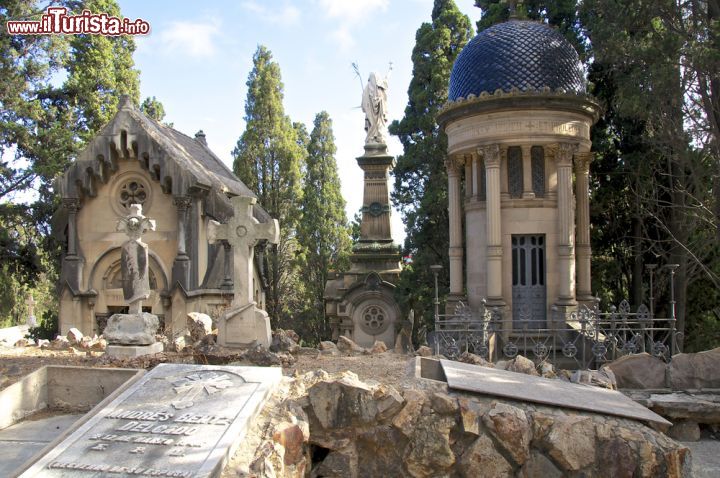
[
  {"x": 134, "y": 258},
  {"x": 243, "y": 232},
  {"x": 31, "y": 311}
]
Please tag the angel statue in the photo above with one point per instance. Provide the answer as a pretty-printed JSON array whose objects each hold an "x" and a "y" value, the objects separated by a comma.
[{"x": 375, "y": 105}]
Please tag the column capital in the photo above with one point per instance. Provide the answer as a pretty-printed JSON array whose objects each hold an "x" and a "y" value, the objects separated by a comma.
[
  {"x": 491, "y": 155},
  {"x": 454, "y": 164},
  {"x": 182, "y": 202},
  {"x": 563, "y": 153},
  {"x": 582, "y": 161}
]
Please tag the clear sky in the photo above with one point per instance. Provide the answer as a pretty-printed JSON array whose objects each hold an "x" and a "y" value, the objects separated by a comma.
[{"x": 198, "y": 55}]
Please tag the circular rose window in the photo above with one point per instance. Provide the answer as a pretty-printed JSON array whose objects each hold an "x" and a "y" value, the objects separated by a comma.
[
  {"x": 132, "y": 192},
  {"x": 374, "y": 320}
]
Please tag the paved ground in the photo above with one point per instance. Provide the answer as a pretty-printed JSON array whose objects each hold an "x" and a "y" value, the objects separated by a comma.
[
  {"x": 705, "y": 458},
  {"x": 21, "y": 441}
]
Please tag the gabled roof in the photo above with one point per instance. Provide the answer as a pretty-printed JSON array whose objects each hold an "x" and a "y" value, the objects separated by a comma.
[{"x": 184, "y": 166}]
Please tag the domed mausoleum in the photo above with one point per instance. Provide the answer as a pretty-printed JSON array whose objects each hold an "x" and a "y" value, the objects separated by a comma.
[{"x": 518, "y": 125}]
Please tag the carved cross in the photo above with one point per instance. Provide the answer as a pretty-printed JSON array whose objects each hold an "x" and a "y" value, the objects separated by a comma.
[
  {"x": 135, "y": 224},
  {"x": 134, "y": 258},
  {"x": 243, "y": 232}
]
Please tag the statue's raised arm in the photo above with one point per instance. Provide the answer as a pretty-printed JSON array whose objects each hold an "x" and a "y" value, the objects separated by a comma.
[{"x": 374, "y": 105}]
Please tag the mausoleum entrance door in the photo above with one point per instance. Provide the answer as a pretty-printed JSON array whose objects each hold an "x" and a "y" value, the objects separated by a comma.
[{"x": 528, "y": 282}]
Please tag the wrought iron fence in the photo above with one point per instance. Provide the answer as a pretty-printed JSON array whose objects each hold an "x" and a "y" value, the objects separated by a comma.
[{"x": 585, "y": 339}]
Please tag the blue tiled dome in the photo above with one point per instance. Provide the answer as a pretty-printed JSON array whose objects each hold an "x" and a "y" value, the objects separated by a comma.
[{"x": 516, "y": 54}]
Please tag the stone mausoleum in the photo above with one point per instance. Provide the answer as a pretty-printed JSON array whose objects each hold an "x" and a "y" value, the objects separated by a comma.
[
  {"x": 518, "y": 125},
  {"x": 180, "y": 184}
]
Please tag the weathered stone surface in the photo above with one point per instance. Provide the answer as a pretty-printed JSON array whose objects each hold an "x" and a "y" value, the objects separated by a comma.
[
  {"x": 378, "y": 347},
  {"x": 617, "y": 457},
  {"x": 467, "y": 357},
  {"x": 547, "y": 370},
  {"x": 511, "y": 428},
  {"x": 380, "y": 452},
  {"x": 131, "y": 329},
  {"x": 181, "y": 343},
  {"x": 521, "y": 387},
  {"x": 700, "y": 407},
  {"x": 346, "y": 345},
  {"x": 521, "y": 364},
  {"x": 424, "y": 351},
  {"x": 291, "y": 437},
  {"x": 178, "y": 420},
  {"x": 539, "y": 466},
  {"x": 404, "y": 420},
  {"x": 22, "y": 343},
  {"x": 428, "y": 453},
  {"x": 284, "y": 341},
  {"x": 639, "y": 371},
  {"x": 571, "y": 442},
  {"x": 695, "y": 371},
  {"x": 343, "y": 403},
  {"x": 482, "y": 458},
  {"x": 328, "y": 348},
  {"x": 604, "y": 378},
  {"x": 259, "y": 355},
  {"x": 471, "y": 412},
  {"x": 388, "y": 401},
  {"x": 443, "y": 403},
  {"x": 98, "y": 344},
  {"x": 198, "y": 325},
  {"x": 74, "y": 336},
  {"x": 685, "y": 430},
  {"x": 336, "y": 465}
]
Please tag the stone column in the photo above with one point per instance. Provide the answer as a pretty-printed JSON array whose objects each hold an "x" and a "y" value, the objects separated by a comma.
[
  {"x": 491, "y": 155},
  {"x": 469, "y": 191},
  {"x": 227, "y": 282},
  {"x": 566, "y": 230},
  {"x": 72, "y": 205},
  {"x": 455, "y": 214},
  {"x": 473, "y": 160},
  {"x": 181, "y": 264},
  {"x": 528, "y": 192},
  {"x": 72, "y": 267},
  {"x": 582, "y": 201}
]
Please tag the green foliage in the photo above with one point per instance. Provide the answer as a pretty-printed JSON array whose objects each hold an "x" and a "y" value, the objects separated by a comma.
[
  {"x": 47, "y": 328},
  {"x": 153, "y": 108},
  {"x": 420, "y": 190},
  {"x": 268, "y": 158},
  {"x": 43, "y": 124},
  {"x": 323, "y": 233},
  {"x": 657, "y": 167}
]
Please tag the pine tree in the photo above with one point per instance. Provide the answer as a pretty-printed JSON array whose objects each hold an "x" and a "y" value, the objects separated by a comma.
[
  {"x": 420, "y": 190},
  {"x": 153, "y": 108},
  {"x": 324, "y": 233},
  {"x": 268, "y": 158}
]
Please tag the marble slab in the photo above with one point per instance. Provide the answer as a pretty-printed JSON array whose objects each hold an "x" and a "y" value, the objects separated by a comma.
[
  {"x": 554, "y": 392},
  {"x": 178, "y": 420}
]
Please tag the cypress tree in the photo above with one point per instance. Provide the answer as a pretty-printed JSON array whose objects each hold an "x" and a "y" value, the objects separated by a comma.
[
  {"x": 268, "y": 157},
  {"x": 324, "y": 233},
  {"x": 420, "y": 189}
]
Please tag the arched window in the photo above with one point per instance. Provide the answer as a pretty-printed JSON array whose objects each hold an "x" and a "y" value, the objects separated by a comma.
[
  {"x": 537, "y": 156},
  {"x": 515, "y": 171}
]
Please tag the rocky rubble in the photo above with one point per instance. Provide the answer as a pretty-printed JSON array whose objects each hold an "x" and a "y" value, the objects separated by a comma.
[{"x": 339, "y": 426}]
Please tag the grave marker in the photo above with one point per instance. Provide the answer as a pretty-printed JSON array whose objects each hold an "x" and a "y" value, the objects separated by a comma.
[{"x": 178, "y": 420}]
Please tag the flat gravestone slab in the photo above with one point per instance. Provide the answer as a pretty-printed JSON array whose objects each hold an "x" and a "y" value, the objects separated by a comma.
[
  {"x": 518, "y": 386},
  {"x": 176, "y": 421}
]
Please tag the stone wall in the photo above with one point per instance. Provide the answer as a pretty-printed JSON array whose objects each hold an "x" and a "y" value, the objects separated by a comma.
[{"x": 338, "y": 426}]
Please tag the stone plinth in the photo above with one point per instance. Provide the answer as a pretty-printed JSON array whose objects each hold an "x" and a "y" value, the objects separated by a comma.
[
  {"x": 129, "y": 351},
  {"x": 178, "y": 420},
  {"x": 360, "y": 302}
]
